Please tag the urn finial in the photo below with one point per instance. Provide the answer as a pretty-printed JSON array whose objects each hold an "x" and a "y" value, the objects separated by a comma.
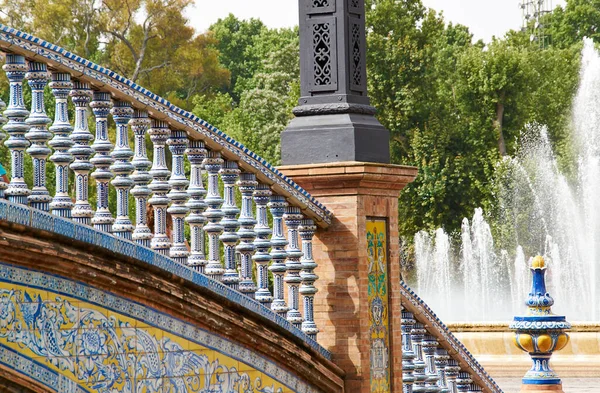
[{"x": 540, "y": 332}]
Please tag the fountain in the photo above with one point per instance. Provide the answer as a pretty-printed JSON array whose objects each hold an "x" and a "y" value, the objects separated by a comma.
[{"x": 479, "y": 276}]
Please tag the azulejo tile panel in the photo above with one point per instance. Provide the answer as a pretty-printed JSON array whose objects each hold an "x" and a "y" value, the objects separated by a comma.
[
  {"x": 379, "y": 336},
  {"x": 74, "y": 338}
]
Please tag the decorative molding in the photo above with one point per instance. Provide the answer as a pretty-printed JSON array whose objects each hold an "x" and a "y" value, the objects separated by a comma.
[
  {"x": 333, "y": 109},
  {"x": 13, "y": 40}
]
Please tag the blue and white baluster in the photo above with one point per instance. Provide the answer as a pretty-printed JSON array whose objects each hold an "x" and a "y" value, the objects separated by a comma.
[
  {"x": 212, "y": 164},
  {"x": 308, "y": 290},
  {"x": 103, "y": 218},
  {"x": 81, "y": 95},
  {"x": 277, "y": 205},
  {"x": 452, "y": 370},
  {"x": 293, "y": 217},
  {"x": 417, "y": 334},
  {"x": 441, "y": 362},
  {"x": 262, "y": 257},
  {"x": 122, "y": 168},
  {"x": 3, "y": 121},
  {"x": 408, "y": 356},
  {"x": 16, "y": 128},
  {"x": 463, "y": 382},
  {"x": 141, "y": 177},
  {"x": 247, "y": 185},
  {"x": 429, "y": 346},
  {"x": 474, "y": 388},
  {"x": 61, "y": 84},
  {"x": 178, "y": 143},
  {"x": 229, "y": 175},
  {"x": 159, "y": 134},
  {"x": 196, "y": 153},
  {"x": 38, "y": 135}
]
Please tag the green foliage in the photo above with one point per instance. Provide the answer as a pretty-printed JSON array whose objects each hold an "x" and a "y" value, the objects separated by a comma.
[{"x": 454, "y": 107}]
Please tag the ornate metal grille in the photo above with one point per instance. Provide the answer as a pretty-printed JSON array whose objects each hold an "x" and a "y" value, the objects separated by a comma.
[
  {"x": 357, "y": 57},
  {"x": 322, "y": 54}
]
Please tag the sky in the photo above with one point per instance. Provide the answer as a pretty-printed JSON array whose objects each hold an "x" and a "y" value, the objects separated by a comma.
[{"x": 485, "y": 18}]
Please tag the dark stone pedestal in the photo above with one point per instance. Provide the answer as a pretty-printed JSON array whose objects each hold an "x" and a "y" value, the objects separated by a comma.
[{"x": 335, "y": 138}]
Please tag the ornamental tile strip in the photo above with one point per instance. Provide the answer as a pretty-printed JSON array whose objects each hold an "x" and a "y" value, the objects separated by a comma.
[
  {"x": 440, "y": 331},
  {"x": 23, "y": 215},
  {"x": 69, "y": 330},
  {"x": 82, "y": 67}
]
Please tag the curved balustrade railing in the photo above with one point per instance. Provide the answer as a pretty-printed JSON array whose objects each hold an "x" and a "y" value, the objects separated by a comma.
[
  {"x": 228, "y": 241},
  {"x": 433, "y": 360}
]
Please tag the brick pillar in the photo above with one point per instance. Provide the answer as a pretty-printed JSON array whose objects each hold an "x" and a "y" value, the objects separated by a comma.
[{"x": 356, "y": 193}]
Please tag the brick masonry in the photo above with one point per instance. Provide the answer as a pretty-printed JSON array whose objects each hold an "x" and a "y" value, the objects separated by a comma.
[{"x": 354, "y": 191}]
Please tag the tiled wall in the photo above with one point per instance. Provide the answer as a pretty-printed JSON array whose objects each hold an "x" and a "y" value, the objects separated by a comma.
[{"x": 74, "y": 338}]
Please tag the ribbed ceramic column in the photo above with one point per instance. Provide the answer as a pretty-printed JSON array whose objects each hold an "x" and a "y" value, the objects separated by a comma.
[
  {"x": 463, "y": 382},
  {"x": 178, "y": 143},
  {"x": 262, "y": 257},
  {"x": 81, "y": 96},
  {"x": 159, "y": 134},
  {"x": 408, "y": 356},
  {"x": 441, "y": 361},
  {"x": 102, "y": 161},
  {"x": 452, "y": 370},
  {"x": 16, "y": 128},
  {"x": 417, "y": 334},
  {"x": 61, "y": 84},
  {"x": 141, "y": 177},
  {"x": 307, "y": 289},
  {"x": 3, "y": 121},
  {"x": 122, "y": 168},
  {"x": 429, "y": 345},
  {"x": 38, "y": 135},
  {"x": 247, "y": 185},
  {"x": 212, "y": 163},
  {"x": 293, "y": 217},
  {"x": 474, "y": 388},
  {"x": 229, "y": 175},
  {"x": 196, "y": 153},
  {"x": 277, "y": 205}
]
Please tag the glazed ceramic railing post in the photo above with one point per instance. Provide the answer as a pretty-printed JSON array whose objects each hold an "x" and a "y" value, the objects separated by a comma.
[
  {"x": 277, "y": 205},
  {"x": 429, "y": 345},
  {"x": 159, "y": 134},
  {"x": 3, "y": 121},
  {"x": 246, "y": 248},
  {"x": 196, "y": 154},
  {"x": 178, "y": 143},
  {"x": 122, "y": 168},
  {"x": 441, "y": 362},
  {"x": 229, "y": 175},
  {"x": 308, "y": 290},
  {"x": 16, "y": 128},
  {"x": 452, "y": 370},
  {"x": 293, "y": 217},
  {"x": 102, "y": 160},
  {"x": 262, "y": 257},
  {"x": 213, "y": 163},
  {"x": 408, "y": 356},
  {"x": 81, "y": 96},
  {"x": 141, "y": 177},
  {"x": 38, "y": 135},
  {"x": 61, "y": 84}
]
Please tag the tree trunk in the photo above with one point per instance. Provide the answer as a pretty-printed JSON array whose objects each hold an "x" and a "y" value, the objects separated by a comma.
[{"x": 498, "y": 126}]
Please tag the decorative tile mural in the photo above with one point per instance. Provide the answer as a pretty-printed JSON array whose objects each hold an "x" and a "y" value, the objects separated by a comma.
[
  {"x": 74, "y": 338},
  {"x": 378, "y": 305}
]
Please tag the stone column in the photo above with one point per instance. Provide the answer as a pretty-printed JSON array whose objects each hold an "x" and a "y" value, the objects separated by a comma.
[{"x": 356, "y": 325}]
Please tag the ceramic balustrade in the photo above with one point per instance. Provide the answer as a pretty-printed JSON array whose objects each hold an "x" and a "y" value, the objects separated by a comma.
[{"x": 229, "y": 241}]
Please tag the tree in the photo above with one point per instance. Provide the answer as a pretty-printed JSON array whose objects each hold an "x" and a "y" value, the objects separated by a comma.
[{"x": 578, "y": 19}]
